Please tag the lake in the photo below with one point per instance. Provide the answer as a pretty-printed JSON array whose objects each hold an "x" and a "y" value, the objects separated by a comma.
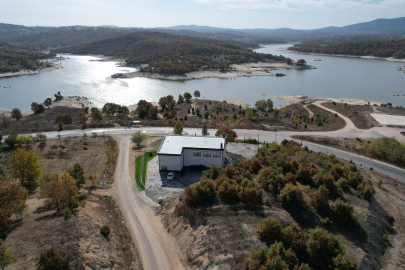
[{"x": 337, "y": 77}]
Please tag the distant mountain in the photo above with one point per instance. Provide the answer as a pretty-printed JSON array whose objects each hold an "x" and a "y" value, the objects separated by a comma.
[{"x": 380, "y": 26}]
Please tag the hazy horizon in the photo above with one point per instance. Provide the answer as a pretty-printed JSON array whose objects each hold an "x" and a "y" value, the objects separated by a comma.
[{"x": 237, "y": 14}]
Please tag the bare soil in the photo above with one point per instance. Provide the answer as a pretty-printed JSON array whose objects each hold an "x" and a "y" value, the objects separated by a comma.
[
  {"x": 220, "y": 235},
  {"x": 41, "y": 228},
  {"x": 360, "y": 115}
]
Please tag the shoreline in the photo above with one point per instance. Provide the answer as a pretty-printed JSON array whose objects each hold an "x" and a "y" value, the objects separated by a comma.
[
  {"x": 304, "y": 98},
  {"x": 29, "y": 72},
  {"x": 238, "y": 70},
  {"x": 348, "y": 55}
]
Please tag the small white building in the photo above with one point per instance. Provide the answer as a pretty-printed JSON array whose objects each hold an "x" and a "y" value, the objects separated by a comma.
[{"x": 177, "y": 151}]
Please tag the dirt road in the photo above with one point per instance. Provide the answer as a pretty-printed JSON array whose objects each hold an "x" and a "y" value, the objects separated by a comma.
[{"x": 155, "y": 246}]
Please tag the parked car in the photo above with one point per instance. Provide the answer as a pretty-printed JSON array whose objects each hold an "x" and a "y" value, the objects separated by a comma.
[{"x": 170, "y": 176}]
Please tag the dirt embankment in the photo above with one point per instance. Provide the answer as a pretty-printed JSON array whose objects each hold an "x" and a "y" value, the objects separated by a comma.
[
  {"x": 41, "y": 228},
  {"x": 220, "y": 236}
]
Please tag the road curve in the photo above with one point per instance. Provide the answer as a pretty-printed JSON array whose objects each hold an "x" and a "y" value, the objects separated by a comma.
[{"x": 151, "y": 253}]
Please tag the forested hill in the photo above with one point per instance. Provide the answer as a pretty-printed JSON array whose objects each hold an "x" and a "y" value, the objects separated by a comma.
[
  {"x": 14, "y": 60},
  {"x": 166, "y": 53},
  {"x": 381, "y": 48}
]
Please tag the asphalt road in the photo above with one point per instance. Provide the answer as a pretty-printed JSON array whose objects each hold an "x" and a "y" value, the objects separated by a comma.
[{"x": 261, "y": 135}]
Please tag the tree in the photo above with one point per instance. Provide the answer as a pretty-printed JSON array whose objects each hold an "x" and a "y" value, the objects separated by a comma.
[
  {"x": 60, "y": 193},
  {"x": 81, "y": 117},
  {"x": 180, "y": 100},
  {"x": 288, "y": 61},
  {"x": 178, "y": 128},
  {"x": 6, "y": 258},
  {"x": 58, "y": 96},
  {"x": 269, "y": 105},
  {"x": 143, "y": 108},
  {"x": 110, "y": 109},
  {"x": 96, "y": 115},
  {"x": 48, "y": 102},
  {"x": 163, "y": 103},
  {"x": 54, "y": 258},
  {"x": 12, "y": 202},
  {"x": 249, "y": 112},
  {"x": 301, "y": 62},
  {"x": 187, "y": 96},
  {"x": 37, "y": 108},
  {"x": 16, "y": 114},
  {"x": 11, "y": 139},
  {"x": 77, "y": 173},
  {"x": 270, "y": 231},
  {"x": 205, "y": 130},
  {"x": 224, "y": 105},
  {"x": 25, "y": 167},
  {"x": 196, "y": 94},
  {"x": 230, "y": 135},
  {"x": 138, "y": 137},
  {"x": 261, "y": 105},
  {"x": 152, "y": 113}
]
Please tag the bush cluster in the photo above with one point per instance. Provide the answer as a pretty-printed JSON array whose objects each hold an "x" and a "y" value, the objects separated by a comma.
[{"x": 296, "y": 248}]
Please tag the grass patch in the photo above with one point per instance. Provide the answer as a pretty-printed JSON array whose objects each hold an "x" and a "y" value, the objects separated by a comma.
[
  {"x": 138, "y": 173},
  {"x": 148, "y": 157}
]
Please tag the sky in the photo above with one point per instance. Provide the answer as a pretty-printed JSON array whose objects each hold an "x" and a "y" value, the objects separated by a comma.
[{"x": 296, "y": 14}]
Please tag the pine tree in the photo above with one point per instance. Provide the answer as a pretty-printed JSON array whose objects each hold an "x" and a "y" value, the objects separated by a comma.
[
  {"x": 205, "y": 130},
  {"x": 178, "y": 128}
]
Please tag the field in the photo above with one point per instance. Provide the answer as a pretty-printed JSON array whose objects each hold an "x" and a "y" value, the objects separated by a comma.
[{"x": 79, "y": 235}]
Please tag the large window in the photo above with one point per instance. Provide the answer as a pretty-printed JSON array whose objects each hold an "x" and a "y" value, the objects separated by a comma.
[
  {"x": 217, "y": 154},
  {"x": 197, "y": 153},
  {"x": 207, "y": 153}
]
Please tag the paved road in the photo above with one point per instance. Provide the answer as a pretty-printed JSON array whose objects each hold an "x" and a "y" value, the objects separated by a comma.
[{"x": 267, "y": 136}]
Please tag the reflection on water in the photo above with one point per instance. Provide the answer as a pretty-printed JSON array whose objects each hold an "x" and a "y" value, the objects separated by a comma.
[{"x": 335, "y": 77}]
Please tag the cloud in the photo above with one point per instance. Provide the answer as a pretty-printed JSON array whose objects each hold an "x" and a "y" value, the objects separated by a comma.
[{"x": 310, "y": 5}]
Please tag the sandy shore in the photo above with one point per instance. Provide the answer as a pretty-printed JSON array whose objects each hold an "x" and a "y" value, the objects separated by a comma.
[
  {"x": 238, "y": 70},
  {"x": 347, "y": 55},
  {"x": 303, "y": 98},
  {"x": 28, "y": 71}
]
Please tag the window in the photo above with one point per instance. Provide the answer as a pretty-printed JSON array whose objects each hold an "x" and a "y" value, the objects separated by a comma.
[
  {"x": 217, "y": 154},
  {"x": 197, "y": 153},
  {"x": 207, "y": 153}
]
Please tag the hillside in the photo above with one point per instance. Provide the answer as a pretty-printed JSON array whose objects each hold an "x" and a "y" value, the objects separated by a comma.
[
  {"x": 167, "y": 53},
  {"x": 380, "y": 48},
  {"x": 288, "y": 206},
  {"x": 12, "y": 60}
]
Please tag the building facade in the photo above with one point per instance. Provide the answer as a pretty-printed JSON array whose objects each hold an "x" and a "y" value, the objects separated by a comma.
[{"x": 177, "y": 151}]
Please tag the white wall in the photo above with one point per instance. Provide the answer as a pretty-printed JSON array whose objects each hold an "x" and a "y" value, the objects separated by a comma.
[
  {"x": 173, "y": 163},
  {"x": 189, "y": 159}
]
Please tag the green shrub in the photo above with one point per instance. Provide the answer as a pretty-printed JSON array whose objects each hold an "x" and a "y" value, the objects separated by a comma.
[
  {"x": 342, "y": 183},
  {"x": 11, "y": 139},
  {"x": 228, "y": 190},
  {"x": 291, "y": 196},
  {"x": 342, "y": 262},
  {"x": 54, "y": 258},
  {"x": 355, "y": 178},
  {"x": 105, "y": 230},
  {"x": 213, "y": 172},
  {"x": 322, "y": 248},
  {"x": 270, "y": 231},
  {"x": 324, "y": 179},
  {"x": 366, "y": 189},
  {"x": 319, "y": 197},
  {"x": 201, "y": 192},
  {"x": 250, "y": 195},
  {"x": 276, "y": 183},
  {"x": 343, "y": 211}
]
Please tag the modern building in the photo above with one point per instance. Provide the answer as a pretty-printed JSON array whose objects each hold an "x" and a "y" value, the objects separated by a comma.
[{"x": 177, "y": 151}]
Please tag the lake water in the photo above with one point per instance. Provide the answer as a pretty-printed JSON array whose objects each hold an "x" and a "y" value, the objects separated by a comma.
[{"x": 334, "y": 77}]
